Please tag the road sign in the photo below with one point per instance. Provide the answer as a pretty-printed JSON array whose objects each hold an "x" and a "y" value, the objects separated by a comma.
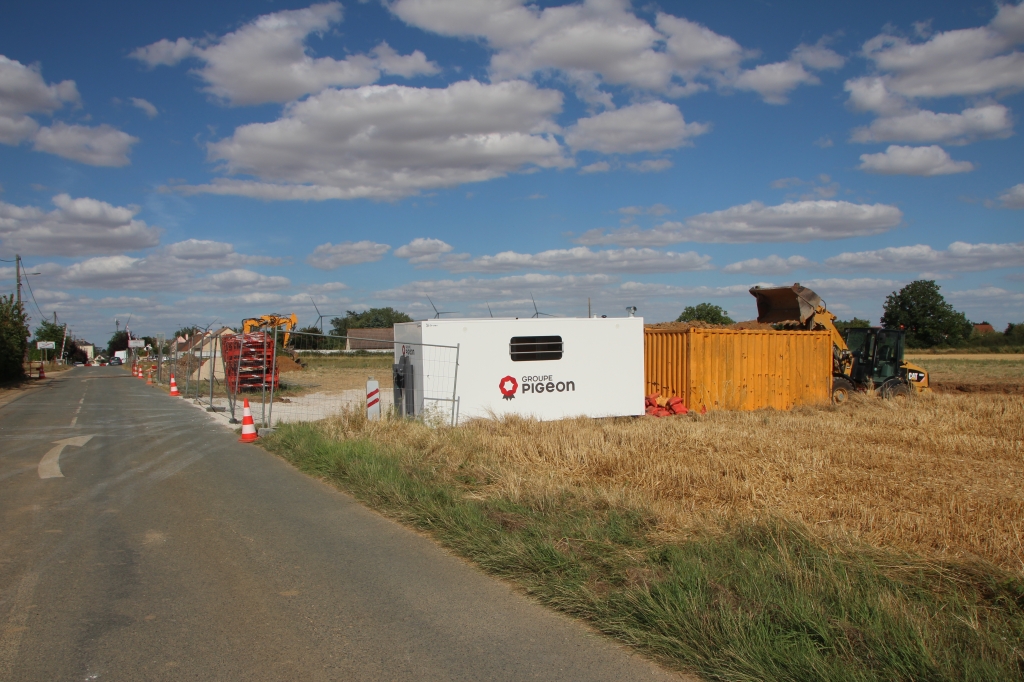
[
  {"x": 48, "y": 345},
  {"x": 136, "y": 343}
]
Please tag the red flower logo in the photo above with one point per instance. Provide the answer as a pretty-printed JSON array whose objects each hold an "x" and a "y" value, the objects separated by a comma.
[{"x": 508, "y": 393}]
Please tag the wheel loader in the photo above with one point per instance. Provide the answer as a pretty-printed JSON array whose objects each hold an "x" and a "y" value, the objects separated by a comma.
[{"x": 863, "y": 359}]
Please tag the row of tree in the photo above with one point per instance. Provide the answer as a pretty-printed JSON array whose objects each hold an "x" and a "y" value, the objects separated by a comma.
[{"x": 919, "y": 308}]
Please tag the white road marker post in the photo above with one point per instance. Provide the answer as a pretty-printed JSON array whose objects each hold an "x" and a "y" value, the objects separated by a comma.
[{"x": 372, "y": 400}]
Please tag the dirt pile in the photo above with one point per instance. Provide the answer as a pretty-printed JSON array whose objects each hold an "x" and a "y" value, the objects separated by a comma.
[
  {"x": 287, "y": 365},
  {"x": 697, "y": 324}
]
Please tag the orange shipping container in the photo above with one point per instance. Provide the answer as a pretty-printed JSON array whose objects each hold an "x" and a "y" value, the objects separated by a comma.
[{"x": 732, "y": 369}]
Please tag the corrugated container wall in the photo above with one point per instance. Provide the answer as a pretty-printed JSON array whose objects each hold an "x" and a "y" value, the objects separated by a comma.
[{"x": 730, "y": 369}]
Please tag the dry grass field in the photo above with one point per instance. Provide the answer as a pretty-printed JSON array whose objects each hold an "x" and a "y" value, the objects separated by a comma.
[
  {"x": 338, "y": 373},
  {"x": 881, "y": 540},
  {"x": 941, "y": 475},
  {"x": 974, "y": 373}
]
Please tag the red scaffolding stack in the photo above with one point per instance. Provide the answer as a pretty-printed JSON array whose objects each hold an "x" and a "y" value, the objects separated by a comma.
[{"x": 255, "y": 369}]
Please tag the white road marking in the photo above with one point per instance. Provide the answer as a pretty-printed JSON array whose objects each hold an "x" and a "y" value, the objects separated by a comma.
[
  {"x": 49, "y": 465},
  {"x": 74, "y": 419}
]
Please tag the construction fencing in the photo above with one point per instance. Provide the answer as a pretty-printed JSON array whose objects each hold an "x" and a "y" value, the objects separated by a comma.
[{"x": 309, "y": 377}]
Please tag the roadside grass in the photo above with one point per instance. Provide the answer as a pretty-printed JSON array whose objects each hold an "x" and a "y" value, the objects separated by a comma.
[{"x": 733, "y": 591}]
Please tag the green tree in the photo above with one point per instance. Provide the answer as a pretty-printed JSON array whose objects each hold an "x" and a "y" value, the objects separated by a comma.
[
  {"x": 374, "y": 318},
  {"x": 855, "y": 323},
  {"x": 13, "y": 338},
  {"x": 51, "y": 331},
  {"x": 705, "y": 312},
  {"x": 310, "y": 338},
  {"x": 924, "y": 313},
  {"x": 119, "y": 341}
]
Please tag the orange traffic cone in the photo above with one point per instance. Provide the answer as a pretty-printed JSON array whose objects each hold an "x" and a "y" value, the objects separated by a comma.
[
  {"x": 42, "y": 372},
  {"x": 149, "y": 378},
  {"x": 174, "y": 388},
  {"x": 249, "y": 434}
]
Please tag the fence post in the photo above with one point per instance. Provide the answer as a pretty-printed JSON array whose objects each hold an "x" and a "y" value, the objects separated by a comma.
[
  {"x": 199, "y": 369},
  {"x": 190, "y": 351},
  {"x": 263, "y": 401},
  {"x": 159, "y": 358},
  {"x": 455, "y": 382},
  {"x": 213, "y": 366},
  {"x": 273, "y": 380},
  {"x": 238, "y": 371}
]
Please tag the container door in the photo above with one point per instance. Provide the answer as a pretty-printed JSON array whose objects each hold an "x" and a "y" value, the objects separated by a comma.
[
  {"x": 888, "y": 354},
  {"x": 861, "y": 343}
]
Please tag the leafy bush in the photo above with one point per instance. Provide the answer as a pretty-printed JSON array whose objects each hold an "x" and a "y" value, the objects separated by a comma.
[{"x": 13, "y": 338}]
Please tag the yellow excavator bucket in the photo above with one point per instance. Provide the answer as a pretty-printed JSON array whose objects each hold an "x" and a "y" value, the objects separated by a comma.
[{"x": 785, "y": 304}]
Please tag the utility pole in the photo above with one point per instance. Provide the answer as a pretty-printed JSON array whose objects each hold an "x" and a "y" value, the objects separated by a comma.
[{"x": 17, "y": 271}]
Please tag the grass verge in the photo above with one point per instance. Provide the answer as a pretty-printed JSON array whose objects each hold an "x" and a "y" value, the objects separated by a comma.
[{"x": 762, "y": 599}]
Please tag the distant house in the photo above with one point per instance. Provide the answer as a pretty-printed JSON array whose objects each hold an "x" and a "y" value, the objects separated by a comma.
[{"x": 984, "y": 328}]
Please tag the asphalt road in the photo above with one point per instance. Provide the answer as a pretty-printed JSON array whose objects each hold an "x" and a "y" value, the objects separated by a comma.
[{"x": 153, "y": 545}]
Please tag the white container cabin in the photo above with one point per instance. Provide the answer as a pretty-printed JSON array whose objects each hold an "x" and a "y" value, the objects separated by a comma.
[{"x": 548, "y": 368}]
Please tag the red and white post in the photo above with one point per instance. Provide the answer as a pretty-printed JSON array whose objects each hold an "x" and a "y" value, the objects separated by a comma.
[{"x": 372, "y": 400}]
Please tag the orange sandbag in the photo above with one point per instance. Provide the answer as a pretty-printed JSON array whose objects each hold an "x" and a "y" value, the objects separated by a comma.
[
  {"x": 678, "y": 408},
  {"x": 674, "y": 400}
]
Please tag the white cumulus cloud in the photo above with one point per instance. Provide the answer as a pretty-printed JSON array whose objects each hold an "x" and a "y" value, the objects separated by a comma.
[
  {"x": 648, "y": 127},
  {"x": 424, "y": 251},
  {"x": 267, "y": 60},
  {"x": 970, "y": 62},
  {"x": 23, "y": 91},
  {"x": 477, "y": 289},
  {"x": 772, "y": 265},
  {"x": 188, "y": 265},
  {"x": 145, "y": 105},
  {"x": 583, "y": 259},
  {"x": 959, "y": 256},
  {"x": 594, "y": 43},
  {"x": 330, "y": 256},
  {"x": 794, "y": 221},
  {"x": 897, "y": 160},
  {"x": 966, "y": 62},
  {"x": 93, "y": 145},
  {"x": 1013, "y": 197},
  {"x": 391, "y": 141},
  {"x": 972, "y": 124},
  {"x": 75, "y": 227}
]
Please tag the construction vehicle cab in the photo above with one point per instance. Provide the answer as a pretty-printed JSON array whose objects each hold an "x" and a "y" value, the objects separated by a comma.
[{"x": 863, "y": 359}]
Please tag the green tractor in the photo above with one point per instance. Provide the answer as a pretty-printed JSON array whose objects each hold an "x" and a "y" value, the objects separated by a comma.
[{"x": 863, "y": 359}]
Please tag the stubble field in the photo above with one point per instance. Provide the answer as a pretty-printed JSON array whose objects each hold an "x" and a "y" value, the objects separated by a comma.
[{"x": 878, "y": 540}]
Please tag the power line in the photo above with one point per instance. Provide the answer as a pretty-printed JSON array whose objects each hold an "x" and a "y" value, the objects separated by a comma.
[{"x": 41, "y": 316}]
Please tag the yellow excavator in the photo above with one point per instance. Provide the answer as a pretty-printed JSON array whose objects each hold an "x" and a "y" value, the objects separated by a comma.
[
  {"x": 863, "y": 359},
  {"x": 268, "y": 322}
]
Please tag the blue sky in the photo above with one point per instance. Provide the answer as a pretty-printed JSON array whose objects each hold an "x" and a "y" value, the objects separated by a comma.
[{"x": 187, "y": 163}]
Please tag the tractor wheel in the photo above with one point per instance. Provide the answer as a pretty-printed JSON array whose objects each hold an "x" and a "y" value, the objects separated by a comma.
[
  {"x": 842, "y": 389},
  {"x": 898, "y": 390}
]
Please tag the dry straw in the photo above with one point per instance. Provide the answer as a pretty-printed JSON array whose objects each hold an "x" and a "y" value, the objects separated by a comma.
[{"x": 941, "y": 475}]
